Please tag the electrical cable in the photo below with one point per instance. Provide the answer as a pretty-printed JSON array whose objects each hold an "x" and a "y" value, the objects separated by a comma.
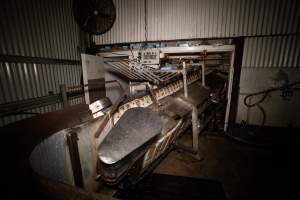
[{"x": 265, "y": 93}]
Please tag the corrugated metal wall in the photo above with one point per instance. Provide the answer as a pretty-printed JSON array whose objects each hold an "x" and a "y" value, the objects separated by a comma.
[
  {"x": 278, "y": 52},
  {"x": 19, "y": 81},
  {"x": 44, "y": 29},
  {"x": 47, "y": 29},
  {"x": 38, "y": 29},
  {"x": 129, "y": 25},
  {"x": 263, "y": 58},
  {"x": 177, "y": 19}
]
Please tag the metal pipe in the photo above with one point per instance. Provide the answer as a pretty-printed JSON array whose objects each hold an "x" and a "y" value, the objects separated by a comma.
[
  {"x": 203, "y": 69},
  {"x": 90, "y": 84},
  {"x": 184, "y": 79},
  {"x": 63, "y": 92}
]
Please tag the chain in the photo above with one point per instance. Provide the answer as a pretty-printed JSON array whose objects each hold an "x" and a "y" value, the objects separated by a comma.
[{"x": 146, "y": 22}]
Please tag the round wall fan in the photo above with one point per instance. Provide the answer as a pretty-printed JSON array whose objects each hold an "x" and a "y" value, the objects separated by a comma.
[{"x": 94, "y": 16}]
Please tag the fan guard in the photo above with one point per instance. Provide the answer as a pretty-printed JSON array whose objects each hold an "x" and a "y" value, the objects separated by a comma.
[{"x": 94, "y": 16}]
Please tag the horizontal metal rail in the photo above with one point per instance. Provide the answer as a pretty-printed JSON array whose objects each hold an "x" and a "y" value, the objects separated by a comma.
[
  {"x": 21, "y": 106},
  {"x": 37, "y": 60},
  {"x": 28, "y": 104}
]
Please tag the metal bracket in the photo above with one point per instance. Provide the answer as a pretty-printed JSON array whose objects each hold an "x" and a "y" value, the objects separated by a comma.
[{"x": 75, "y": 159}]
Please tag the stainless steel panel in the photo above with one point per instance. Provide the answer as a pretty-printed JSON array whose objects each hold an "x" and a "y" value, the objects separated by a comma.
[
  {"x": 51, "y": 159},
  {"x": 137, "y": 127}
]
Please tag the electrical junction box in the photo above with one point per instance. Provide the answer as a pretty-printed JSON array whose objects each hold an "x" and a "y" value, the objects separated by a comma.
[{"x": 150, "y": 57}]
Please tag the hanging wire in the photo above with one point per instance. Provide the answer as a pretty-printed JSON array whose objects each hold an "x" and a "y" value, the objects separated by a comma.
[
  {"x": 265, "y": 94},
  {"x": 146, "y": 22}
]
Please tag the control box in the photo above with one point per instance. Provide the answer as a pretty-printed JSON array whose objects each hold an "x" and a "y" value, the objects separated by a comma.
[{"x": 150, "y": 57}]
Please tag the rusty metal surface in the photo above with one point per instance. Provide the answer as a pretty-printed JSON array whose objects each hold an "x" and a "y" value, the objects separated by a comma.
[
  {"x": 87, "y": 148},
  {"x": 75, "y": 159},
  {"x": 135, "y": 128}
]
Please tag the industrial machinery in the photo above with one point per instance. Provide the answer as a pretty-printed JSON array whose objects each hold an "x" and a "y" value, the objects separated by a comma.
[
  {"x": 170, "y": 89},
  {"x": 179, "y": 90}
]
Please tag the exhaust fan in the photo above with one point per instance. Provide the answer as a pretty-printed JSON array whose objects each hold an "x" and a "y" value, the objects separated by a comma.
[{"x": 94, "y": 16}]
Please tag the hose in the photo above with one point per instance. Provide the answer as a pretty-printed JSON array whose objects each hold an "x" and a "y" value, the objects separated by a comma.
[{"x": 257, "y": 104}]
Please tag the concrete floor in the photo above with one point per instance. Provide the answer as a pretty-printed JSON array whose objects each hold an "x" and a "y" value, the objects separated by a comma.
[{"x": 245, "y": 172}]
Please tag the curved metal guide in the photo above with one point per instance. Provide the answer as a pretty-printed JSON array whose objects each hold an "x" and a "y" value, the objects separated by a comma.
[{"x": 135, "y": 128}]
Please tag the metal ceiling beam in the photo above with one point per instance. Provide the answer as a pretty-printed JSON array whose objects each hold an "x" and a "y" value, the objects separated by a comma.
[{"x": 195, "y": 49}]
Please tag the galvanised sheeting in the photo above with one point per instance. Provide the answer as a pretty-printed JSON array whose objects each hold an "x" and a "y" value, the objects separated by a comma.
[
  {"x": 278, "y": 52},
  {"x": 19, "y": 81},
  {"x": 177, "y": 19},
  {"x": 23, "y": 81},
  {"x": 129, "y": 24},
  {"x": 39, "y": 29},
  {"x": 51, "y": 159}
]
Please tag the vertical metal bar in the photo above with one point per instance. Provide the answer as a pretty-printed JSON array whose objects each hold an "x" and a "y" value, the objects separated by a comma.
[
  {"x": 229, "y": 90},
  {"x": 184, "y": 79},
  {"x": 234, "y": 85},
  {"x": 203, "y": 73},
  {"x": 203, "y": 68},
  {"x": 195, "y": 124},
  {"x": 75, "y": 159},
  {"x": 194, "y": 151},
  {"x": 63, "y": 92}
]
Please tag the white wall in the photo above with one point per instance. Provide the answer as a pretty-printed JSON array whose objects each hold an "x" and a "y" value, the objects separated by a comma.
[
  {"x": 279, "y": 112},
  {"x": 263, "y": 57}
]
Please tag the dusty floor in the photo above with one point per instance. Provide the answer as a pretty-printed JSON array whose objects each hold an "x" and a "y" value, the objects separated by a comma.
[{"x": 245, "y": 172}]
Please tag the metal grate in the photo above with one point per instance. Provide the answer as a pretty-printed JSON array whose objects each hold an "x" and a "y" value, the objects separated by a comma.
[{"x": 143, "y": 73}]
